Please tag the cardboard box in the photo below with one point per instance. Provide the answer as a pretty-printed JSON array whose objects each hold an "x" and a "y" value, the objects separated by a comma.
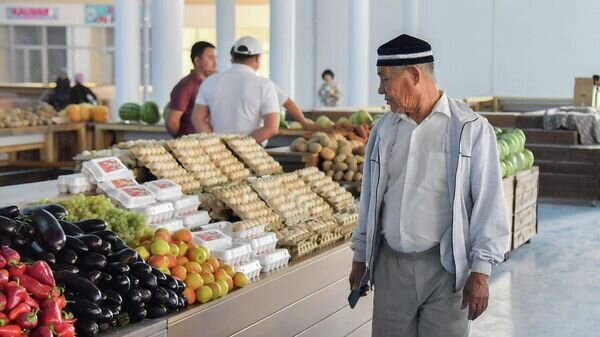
[{"x": 585, "y": 92}]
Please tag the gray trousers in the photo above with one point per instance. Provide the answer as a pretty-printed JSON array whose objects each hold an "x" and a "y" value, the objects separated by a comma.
[{"x": 414, "y": 296}]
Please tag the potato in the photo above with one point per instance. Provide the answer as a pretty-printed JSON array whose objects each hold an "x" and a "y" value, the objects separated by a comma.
[
  {"x": 345, "y": 149},
  {"x": 360, "y": 167},
  {"x": 330, "y": 173},
  {"x": 315, "y": 147},
  {"x": 340, "y": 158},
  {"x": 358, "y": 176},
  {"x": 349, "y": 175},
  {"x": 338, "y": 176},
  {"x": 326, "y": 166},
  {"x": 299, "y": 145},
  {"x": 353, "y": 167},
  {"x": 327, "y": 153},
  {"x": 340, "y": 167}
]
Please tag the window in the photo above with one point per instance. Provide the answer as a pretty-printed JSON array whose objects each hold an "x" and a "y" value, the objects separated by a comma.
[
  {"x": 28, "y": 35},
  {"x": 56, "y": 36}
]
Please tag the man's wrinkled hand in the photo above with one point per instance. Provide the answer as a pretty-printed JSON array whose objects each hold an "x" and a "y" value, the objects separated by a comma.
[
  {"x": 476, "y": 295},
  {"x": 356, "y": 274}
]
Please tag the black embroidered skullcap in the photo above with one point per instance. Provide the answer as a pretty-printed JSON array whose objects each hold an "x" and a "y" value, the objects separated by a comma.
[{"x": 404, "y": 50}]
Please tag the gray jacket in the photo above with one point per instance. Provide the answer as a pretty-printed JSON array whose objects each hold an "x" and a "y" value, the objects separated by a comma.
[{"x": 479, "y": 235}]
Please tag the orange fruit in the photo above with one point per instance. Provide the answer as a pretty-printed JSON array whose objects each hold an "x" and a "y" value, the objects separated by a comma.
[
  {"x": 172, "y": 260},
  {"x": 191, "y": 245},
  {"x": 207, "y": 267},
  {"x": 184, "y": 235},
  {"x": 229, "y": 281},
  {"x": 163, "y": 236},
  {"x": 190, "y": 294},
  {"x": 229, "y": 269},
  {"x": 193, "y": 267},
  {"x": 179, "y": 272},
  {"x": 194, "y": 280},
  {"x": 158, "y": 261},
  {"x": 182, "y": 260},
  {"x": 214, "y": 262}
]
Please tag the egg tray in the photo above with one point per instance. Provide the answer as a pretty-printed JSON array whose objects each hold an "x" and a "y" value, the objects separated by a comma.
[
  {"x": 222, "y": 158},
  {"x": 347, "y": 237},
  {"x": 246, "y": 229},
  {"x": 322, "y": 225},
  {"x": 302, "y": 249},
  {"x": 326, "y": 188},
  {"x": 253, "y": 155},
  {"x": 161, "y": 163},
  {"x": 290, "y": 236},
  {"x": 304, "y": 195},
  {"x": 328, "y": 239},
  {"x": 277, "y": 192},
  {"x": 346, "y": 222},
  {"x": 194, "y": 159},
  {"x": 246, "y": 204}
]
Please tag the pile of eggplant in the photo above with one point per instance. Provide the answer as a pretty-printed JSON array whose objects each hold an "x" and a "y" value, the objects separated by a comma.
[{"x": 107, "y": 284}]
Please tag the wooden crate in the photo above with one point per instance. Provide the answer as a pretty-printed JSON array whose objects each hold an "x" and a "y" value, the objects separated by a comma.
[
  {"x": 526, "y": 188},
  {"x": 558, "y": 137},
  {"x": 524, "y": 218},
  {"x": 523, "y": 236},
  {"x": 508, "y": 185}
]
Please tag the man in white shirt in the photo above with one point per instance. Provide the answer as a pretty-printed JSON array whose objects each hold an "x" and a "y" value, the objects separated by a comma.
[{"x": 237, "y": 100}]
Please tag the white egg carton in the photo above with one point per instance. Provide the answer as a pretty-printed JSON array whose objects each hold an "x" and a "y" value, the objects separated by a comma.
[
  {"x": 165, "y": 189},
  {"x": 211, "y": 239},
  {"x": 246, "y": 234},
  {"x": 186, "y": 205},
  {"x": 235, "y": 254},
  {"x": 74, "y": 183},
  {"x": 273, "y": 260},
  {"x": 103, "y": 169},
  {"x": 263, "y": 243},
  {"x": 171, "y": 225},
  {"x": 251, "y": 268},
  {"x": 195, "y": 220},
  {"x": 133, "y": 196},
  {"x": 109, "y": 186},
  {"x": 156, "y": 213},
  {"x": 221, "y": 225}
]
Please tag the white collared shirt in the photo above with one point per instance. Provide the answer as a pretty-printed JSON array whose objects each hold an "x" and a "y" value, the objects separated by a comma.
[
  {"x": 416, "y": 204},
  {"x": 238, "y": 99}
]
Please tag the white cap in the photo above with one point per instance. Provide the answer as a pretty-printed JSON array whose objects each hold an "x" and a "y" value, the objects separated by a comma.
[{"x": 247, "y": 45}]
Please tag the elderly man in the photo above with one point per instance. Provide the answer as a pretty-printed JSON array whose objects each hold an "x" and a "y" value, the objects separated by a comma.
[{"x": 432, "y": 219}]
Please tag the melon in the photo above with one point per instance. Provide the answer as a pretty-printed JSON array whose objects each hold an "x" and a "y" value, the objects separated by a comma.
[
  {"x": 130, "y": 112},
  {"x": 529, "y": 156},
  {"x": 149, "y": 113},
  {"x": 503, "y": 168}
]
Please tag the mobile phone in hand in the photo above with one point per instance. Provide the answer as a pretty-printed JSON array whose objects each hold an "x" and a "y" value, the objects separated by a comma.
[{"x": 355, "y": 293}]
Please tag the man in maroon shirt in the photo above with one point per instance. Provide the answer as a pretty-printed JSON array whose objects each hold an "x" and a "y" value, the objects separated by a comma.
[{"x": 183, "y": 96}]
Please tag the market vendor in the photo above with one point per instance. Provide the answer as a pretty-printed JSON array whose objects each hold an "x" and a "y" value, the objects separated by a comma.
[
  {"x": 432, "y": 215},
  {"x": 183, "y": 95},
  {"x": 237, "y": 100}
]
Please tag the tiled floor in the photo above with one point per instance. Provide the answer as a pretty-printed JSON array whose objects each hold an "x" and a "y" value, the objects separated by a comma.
[{"x": 551, "y": 287}]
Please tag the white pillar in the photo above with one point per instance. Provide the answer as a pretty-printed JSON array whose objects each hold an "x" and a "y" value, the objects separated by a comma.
[
  {"x": 282, "y": 44},
  {"x": 305, "y": 88},
  {"x": 358, "y": 52},
  {"x": 411, "y": 17},
  {"x": 167, "y": 40},
  {"x": 225, "y": 32},
  {"x": 127, "y": 52}
]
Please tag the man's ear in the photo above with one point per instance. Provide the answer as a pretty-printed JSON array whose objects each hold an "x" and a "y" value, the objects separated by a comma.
[{"x": 415, "y": 74}]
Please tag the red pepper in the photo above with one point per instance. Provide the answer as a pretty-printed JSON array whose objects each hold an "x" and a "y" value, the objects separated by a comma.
[
  {"x": 32, "y": 303},
  {"x": 64, "y": 330},
  {"x": 68, "y": 318},
  {"x": 15, "y": 294},
  {"x": 38, "y": 290},
  {"x": 3, "y": 277},
  {"x": 51, "y": 314},
  {"x": 60, "y": 300},
  {"x": 10, "y": 255},
  {"x": 2, "y": 302},
  {"x": 3, "y": 319},
  {"x": 12, "y": 330},
  {"x": 27, "y": 320},
  {"x": 41, "y": 271},
  {"x": 42, "y": 331},
  {"x": 19, "y": 309},
  {"x": 2, "y": 261},
  {"x": 17, "y": 269}
]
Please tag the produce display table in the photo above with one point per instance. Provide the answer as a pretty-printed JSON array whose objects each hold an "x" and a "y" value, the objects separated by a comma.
[
  {"x": 106, "y": 134},
  {"x": 42, "y": 138},
  {"x": 338, "y": 112},
  {"x": 293, "y": 160}
]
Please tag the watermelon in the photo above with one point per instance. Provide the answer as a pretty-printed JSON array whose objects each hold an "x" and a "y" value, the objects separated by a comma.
[
  {"x": 510, "y": 167},
  {"x": 529, "y": 156},
  {"x": 166, "y": 110},
  {"x": 503, "y": 168},
  {"x": 503, "y": 148},
  {"x": 129, "y": 112},
  {"x": 150, "y": 113}
]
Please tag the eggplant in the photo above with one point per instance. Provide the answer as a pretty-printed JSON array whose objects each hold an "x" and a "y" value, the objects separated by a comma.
[
  {"x": 5, "y": 240},
  {"x": 41, "y": 253},
  {"x": 123, "y": 319},
  {"x": 75, "y": 244},
  {"x": 156, "y": 311},
  {"x": 114, "y": 323},
  {"x": 115, "y": 310},
  {"x": 91, "y": 225},
  {"x": 69, "y": 228},
  {"x": 121, "y": 284},
  {"x": 126, "y": 256},
  {"x": 105, "y": 316},
  {"x": 67, "y": 256},
  {"x": 81, "y": 285},
  {"x": 91, "y": 261},
  {"x": 117, "y": 268},
  {"x": 119, "y": 244},
  {"x": 105, "y": 248},
  {"x": 19, "y": 242},
  {"x": 105, "y": 281},
  {"x": 180, "y": 287},
  {"x": 25, "y": 228},
  {"x": 10, "y": 212},
  {"x": 159, "y": 296},
  {"x": 172, "y": 300},
  {"x": 148, "y": 281},
  {"x": 57, "y": 211},
  {"x": 160, "y": 276},
  {"x": 107, "y": 235},
  {"x": 94, "y": 276},
  {"x": 113, "y": 299},
  {"x": 138, "y": 268},
  {"x": 133, "y": 297},
  {"x": 93, "y": 242},
  {"x": 83, "y": 308},
  {"x": 181, "y": 304},
  {"x": 65, "y": 268},
  {"x": 8, "y": 226},
  {"x": 138, "y": 315},
  {"x": 48, "y": 231},
  {"x": 146, "y": 295},
  {"x": 86, "y": 328},
  {"x": 169, "y": 283},
  {"x": 133, "y": 280}
]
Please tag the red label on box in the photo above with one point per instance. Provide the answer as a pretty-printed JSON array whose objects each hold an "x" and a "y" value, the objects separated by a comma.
[
  {"x": 210, "y": 236},
  {"x": 163, "y": 184},
  {"x": 120, "y": 183},
  {"x": 110, "y": 165},
  {"x": 137, "y": 191}
]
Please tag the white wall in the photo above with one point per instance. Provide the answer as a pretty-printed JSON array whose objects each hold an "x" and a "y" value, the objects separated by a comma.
[{"x": 541, "y": 45}]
